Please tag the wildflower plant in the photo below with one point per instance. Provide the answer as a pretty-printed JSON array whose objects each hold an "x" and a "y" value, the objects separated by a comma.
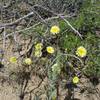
[
  {"x": 38, "y": 50},
  {"x": 62, "y": 57},
  {"x": 56, "y": 68}
]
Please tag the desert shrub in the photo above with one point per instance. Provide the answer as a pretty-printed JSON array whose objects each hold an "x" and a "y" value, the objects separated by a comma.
[{"x": 88, "y": 19}]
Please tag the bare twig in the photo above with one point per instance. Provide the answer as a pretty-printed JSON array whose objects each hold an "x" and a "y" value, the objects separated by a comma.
[
  {"x": 35, "y": 87},
  {"x": 68, "y": 23},
  {"x": 15, "y": 22},
  {"x": 29, "y": 14},
  {"x": 4, "y": 38}
]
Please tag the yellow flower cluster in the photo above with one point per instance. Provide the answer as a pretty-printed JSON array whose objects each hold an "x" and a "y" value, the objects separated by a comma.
[
  {"x": 38, "y": 53},
  {"x": 38, "y": 48},
  {"x": 54, "y": 30},
  {"x": 81, "y": 51},
  {"x": 27, "y": 61}
]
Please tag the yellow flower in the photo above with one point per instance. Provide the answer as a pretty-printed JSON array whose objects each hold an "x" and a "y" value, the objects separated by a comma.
[
  {"x": 81, "y": 51},
  {"x": 28, "y": 61},
  {"x": 38, "y": 46},
  {"x": 50, "y": 49},
  {"x": 75, "y": 80},
  {"x": 38, "y": 53},
  {"x": 13, "y": 60},
  {"x": 55, "y": 30}
]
